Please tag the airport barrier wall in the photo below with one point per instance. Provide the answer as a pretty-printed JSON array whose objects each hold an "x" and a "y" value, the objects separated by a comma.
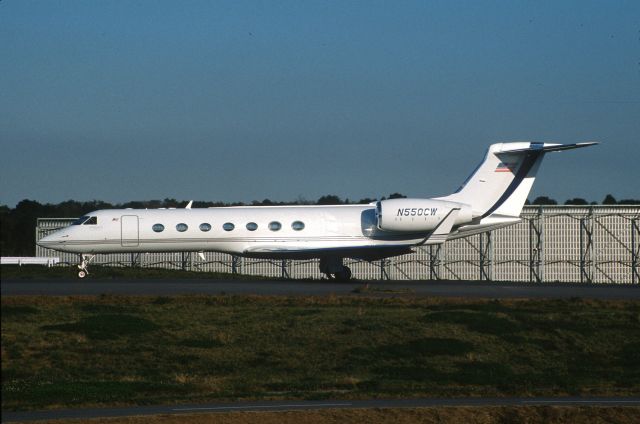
[{"x": 590, "y": 244}]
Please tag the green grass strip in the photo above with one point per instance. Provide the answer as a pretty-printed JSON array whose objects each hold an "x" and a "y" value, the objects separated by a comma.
[{"x": 116, "y": 350}]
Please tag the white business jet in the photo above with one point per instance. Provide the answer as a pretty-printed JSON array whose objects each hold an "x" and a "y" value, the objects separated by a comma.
[{"x": 492, "y": 197}]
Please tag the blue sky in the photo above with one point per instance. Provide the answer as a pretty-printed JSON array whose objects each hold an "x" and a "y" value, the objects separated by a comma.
[{"x": 236, "y": 101}]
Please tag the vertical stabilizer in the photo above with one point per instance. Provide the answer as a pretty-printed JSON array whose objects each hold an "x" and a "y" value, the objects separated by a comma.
[{"x": 502, "y": 182}]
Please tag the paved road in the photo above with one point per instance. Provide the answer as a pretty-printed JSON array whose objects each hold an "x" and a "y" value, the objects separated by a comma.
[
  {"x": 313, "y": 405},
  {"x": 167, "y": 287}
]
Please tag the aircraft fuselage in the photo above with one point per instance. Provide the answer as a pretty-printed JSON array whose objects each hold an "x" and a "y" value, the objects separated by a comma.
[{"x": 267, "y": 231}]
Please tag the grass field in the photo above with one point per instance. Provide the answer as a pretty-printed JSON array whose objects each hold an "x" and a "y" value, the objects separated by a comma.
[
  {"x": 36, "y": 272},
  {"x": 116, "y": 350}
]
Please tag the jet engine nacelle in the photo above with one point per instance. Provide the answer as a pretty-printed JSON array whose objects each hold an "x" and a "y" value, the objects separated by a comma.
[{"x": 418, "y": 215}]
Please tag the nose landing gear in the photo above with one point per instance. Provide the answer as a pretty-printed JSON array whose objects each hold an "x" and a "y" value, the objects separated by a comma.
[
  {"x": 334, "y": 269},
  {"x": 84, "y": 264}
]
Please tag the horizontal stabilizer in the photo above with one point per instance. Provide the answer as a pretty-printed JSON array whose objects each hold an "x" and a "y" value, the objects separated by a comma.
[{"x": 551, "y": 147}]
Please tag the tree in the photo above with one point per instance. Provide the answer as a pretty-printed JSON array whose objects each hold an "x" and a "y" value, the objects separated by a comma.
[
  {"x": 365, "y": 201},
  {"x": 301, "y": 200},
  {"x": 397, "y": 196},
  {"x": 6, "y": 228},
  {"x": 576, "y": 201},
  {"x": 544, "y": 200},
  {"x": 18, "y": 228},
  {"x": 609, "y": 200},
  {"x": 629, "y": 202},
  {"x": 329, "y": 199}
]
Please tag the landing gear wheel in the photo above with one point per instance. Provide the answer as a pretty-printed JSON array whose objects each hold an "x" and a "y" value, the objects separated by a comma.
[
  {"x": 347, "y": 272},
  {"x": 344, "y": 275},
  {"x": 85, "y": 258},
  {"x": 333, "y": 268}
]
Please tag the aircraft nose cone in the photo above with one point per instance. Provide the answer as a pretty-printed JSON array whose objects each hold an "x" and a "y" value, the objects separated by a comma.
[
  {"x": 49, "y": 241},
  {"x": 46, "y": 241}
]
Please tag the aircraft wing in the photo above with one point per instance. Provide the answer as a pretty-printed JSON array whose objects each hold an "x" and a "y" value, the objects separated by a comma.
[{"x": 368, "y": 252}]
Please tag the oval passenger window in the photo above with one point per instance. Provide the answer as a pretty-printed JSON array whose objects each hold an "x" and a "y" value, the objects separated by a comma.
[{"x": 275, "y": 226}]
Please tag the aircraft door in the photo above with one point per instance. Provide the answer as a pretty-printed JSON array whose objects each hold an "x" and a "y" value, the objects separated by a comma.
[{"x": 129, "y": 231}]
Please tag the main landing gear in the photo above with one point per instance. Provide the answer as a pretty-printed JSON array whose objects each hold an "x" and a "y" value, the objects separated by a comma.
[
  {"x": 334, "y": 269},
  {"x": 84, "y": 264}
]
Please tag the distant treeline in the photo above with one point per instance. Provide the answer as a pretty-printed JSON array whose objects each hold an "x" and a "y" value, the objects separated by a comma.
[
  {"x": 578, "y": 201},
  {"x": 17, "y": 225}
]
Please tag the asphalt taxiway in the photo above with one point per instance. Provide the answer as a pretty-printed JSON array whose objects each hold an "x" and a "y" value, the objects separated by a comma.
[
  {"x": 465, "y": 289},
  {"x": 313, "y": 405}
]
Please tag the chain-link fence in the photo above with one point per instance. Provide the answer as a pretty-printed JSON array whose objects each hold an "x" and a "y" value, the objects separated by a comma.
[{"x": 598, "y": 244}]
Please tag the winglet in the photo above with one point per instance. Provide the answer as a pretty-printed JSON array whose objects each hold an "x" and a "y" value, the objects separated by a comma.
[{"x": 189, "y": 204}]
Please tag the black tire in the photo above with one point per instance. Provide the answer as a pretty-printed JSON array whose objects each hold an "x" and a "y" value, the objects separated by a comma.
[
  {"x": 347, "y": 271},
  {"x": 344, "y": 275}
]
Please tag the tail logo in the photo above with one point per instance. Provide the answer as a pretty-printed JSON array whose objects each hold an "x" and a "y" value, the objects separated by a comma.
[{"x": 506, "y": 167}]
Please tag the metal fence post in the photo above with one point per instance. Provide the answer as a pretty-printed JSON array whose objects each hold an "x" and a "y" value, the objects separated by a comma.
[
  {"x": 586, "y": 248},
  {"x": 536, "y": 247},
  {"x": 235, "y": 264},
  {"x": 285, "y": 269},
  {"x": 635, "y": 251},
  {"x": 384, "y": 275},
  {"x": 38, "y": 237},
  {"x": 434, "y": 261},
  {"x": 486, "y": 256},
  {"x": 185, "y": 259}
]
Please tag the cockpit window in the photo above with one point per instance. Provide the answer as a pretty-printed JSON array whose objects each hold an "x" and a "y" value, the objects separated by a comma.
[
  {"x": 80, "y": 220},
  {"x": 91, "y": 221}
]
